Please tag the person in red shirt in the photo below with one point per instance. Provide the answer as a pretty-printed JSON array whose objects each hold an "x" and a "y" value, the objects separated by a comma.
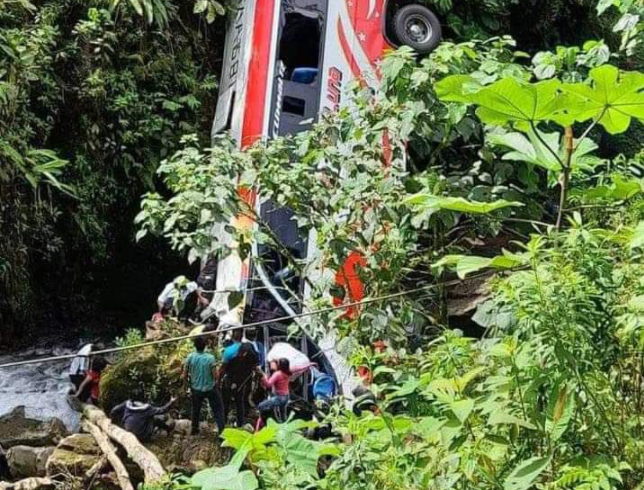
[
  {"x": 278, "y": 382},
  {"x": 91, "y": 385}
]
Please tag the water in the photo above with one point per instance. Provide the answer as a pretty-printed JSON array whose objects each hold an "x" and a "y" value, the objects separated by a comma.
[{"x": 40, "y": 388}]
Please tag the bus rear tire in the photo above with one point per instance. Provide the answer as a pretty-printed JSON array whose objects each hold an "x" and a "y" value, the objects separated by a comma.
[{"x": 417, "y": 27}]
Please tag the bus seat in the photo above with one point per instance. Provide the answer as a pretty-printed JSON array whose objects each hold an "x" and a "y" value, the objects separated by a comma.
[{"x": 304, "y": 75}]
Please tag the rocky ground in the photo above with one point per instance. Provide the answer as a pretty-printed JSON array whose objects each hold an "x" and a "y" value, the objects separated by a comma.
[{"x": 36, "y": 455}]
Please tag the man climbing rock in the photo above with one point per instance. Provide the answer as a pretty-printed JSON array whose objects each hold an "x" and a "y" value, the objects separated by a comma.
[
  {"x": 200, "y": 370},
  {"x": 141, "y": 418},
  {"x": 181, "y": 296}
]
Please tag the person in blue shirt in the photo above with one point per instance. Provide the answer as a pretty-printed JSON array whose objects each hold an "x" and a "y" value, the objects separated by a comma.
[
  {"x": 201, "y": 371},
  {"x": 232, "y": 350}
]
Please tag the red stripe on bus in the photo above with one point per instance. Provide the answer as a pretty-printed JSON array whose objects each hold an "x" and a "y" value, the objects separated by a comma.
[
  {"x": 256, "y": 94},
  {"x": 348, "y": 54}
]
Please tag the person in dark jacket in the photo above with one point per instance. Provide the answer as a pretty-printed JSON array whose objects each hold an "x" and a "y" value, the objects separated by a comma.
[
  {"x": 237, "y": 380},
  {"x": 140, "y": 418}
]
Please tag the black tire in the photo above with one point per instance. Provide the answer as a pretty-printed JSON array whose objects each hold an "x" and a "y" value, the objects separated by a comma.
[{"x": 417, "y": 27}]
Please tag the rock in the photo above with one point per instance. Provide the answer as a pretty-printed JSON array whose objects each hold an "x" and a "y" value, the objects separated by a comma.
[
  {"x": 74, "y": 455},
  {"x": 198, "y": 465},
  {"x": 189, "y": 454},
  {"x": 80, "y": 444},
  {"x": 67, "y": 462},
  {"x": 152, "y": 374},
  {"x": 4, "y": 466},
  {"x": 26, "y": 461},
  {"x": 182, "y": 427},
  {"x": 18, "y": 430}
]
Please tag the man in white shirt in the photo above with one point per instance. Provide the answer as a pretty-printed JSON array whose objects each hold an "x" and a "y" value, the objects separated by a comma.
[
  {"x": 80, "y": 366},
  {"x": 175, "y": 294}
]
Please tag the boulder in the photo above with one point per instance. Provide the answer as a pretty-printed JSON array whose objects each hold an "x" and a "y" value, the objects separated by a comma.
[
  {"x": 74, "y": 455},
  {"x": 152, "y": 374},
  {"x": 67, "y": 462},
  {"x": 18, "y": 430},
  {"x": 80, "y": 444},
  {"x": 26, "y": 461}
]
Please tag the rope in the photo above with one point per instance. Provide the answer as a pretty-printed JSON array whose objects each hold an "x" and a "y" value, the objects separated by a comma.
[{"x": 238, "y": 327}]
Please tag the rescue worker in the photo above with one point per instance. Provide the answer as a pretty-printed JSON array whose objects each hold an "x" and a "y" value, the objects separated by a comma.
[
  {"x": 200, "y": 371},
  {"x": 90, "y": 388},
  {"x": 80, "y": 366},
  {"x": 237, "y": 381},
  {"x": 141, "y": 418},
  {"x": 278, "y": 382}
]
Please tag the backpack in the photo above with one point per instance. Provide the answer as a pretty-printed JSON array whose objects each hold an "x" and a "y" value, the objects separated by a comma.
[{"x": 323, "y": 386}]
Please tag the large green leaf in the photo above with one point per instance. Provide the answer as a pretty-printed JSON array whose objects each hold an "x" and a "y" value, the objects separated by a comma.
[
  {"x": 467, "y": 264},
  {"x": 225, "y": 478},
  {"x": 457, "y": 88},
  {"x": 439, "y": 203},
  {"x": 462, "y": 409},
  {"x": 526, "y": 473},
  {"x": 619, "y": 189},
  {"x": 541, "y": 149},
  {"x": 612, "y": 99},
  {"x": 508, "y": 100},
  {"x": 530, "y": 149},
  {"x": 304, "y": 453}
]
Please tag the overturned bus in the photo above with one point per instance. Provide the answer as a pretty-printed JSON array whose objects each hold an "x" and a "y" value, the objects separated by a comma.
[{"x": 285, "y": 62}]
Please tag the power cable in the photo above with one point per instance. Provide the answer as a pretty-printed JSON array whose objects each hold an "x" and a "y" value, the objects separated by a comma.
[{"x": 238, "y": 327}]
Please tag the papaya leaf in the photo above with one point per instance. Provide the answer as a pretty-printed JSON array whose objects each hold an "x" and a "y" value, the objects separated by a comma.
[
  {"x": 612, "y": 99},
  {"x": 457, "y": 204},
  {"x": 467, "y": 264},
  {"x": 526, "y": 472},
  {"x": 509, "y": 101},
  {"x": 539, "y": 149}
]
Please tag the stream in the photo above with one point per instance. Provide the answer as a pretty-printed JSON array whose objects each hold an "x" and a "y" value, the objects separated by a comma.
[{"x": 40, "y": 388}]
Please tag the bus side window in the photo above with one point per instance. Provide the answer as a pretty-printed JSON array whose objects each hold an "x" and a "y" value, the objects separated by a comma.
[{"x": 299, "y": 48}]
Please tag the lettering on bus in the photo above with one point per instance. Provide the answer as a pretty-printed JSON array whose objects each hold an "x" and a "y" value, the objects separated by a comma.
[
  {"x": 235, "y": 52},
  {"x": 279, "y": 94},
  {"x": 334, "y": 87}
]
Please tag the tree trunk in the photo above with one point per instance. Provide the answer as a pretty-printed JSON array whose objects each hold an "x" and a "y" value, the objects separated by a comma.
[
  {"x": 28, "y": 484},
  {"x": 138, "y": 453},
  {"x": 110, "y": 453},
  {"x": 95, "y": 470}
]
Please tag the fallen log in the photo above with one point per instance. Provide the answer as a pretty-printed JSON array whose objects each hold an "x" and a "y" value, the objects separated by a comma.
[
  {"x": 110, "y": 453},
  {"x": 95, "y": 470},
  {"x": 143, "y": 457},
  {"x": 28, "y": 484}
]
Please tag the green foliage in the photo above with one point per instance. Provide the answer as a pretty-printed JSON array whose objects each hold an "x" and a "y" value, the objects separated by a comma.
[
  {"x": 629, "y": 25},
  {"x": 89, "y": 106},
  {"x": 331, "y": 178}
]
